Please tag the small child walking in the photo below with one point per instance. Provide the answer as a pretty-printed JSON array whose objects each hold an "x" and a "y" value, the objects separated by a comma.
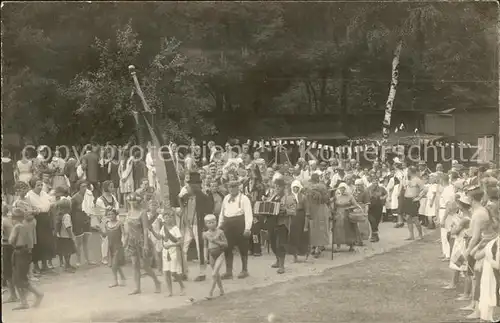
[
  {"x": 172, "y": 239},
  {"x": 22, "y": 239},
  {"x": 66, "y": 244},
  {"x": 113, "y": 230},
  {"x": 215, "y": 243}
]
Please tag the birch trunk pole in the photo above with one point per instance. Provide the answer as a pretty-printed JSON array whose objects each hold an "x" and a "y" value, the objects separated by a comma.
[{"x": 386, "y": 124}]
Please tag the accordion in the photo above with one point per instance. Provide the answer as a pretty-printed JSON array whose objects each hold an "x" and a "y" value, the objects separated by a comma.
[{"x": 266, "y": 208}]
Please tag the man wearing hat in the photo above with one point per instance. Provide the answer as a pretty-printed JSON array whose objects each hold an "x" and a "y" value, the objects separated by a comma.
[
  {"x": 236, "y": 219},
  {"x": 195, "y": 204}
]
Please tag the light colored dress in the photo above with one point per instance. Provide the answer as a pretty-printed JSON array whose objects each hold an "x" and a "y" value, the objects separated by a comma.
[
  {"x": 394, "y": 189},
  {"x": 171, "y": 258},
  {"x": 488, "y": 298},
  {"x": 25, "y": 170},
  {"x": 126, "y": 177}
]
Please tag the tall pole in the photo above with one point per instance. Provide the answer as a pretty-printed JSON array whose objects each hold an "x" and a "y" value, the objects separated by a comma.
[
  {"x": 131, "y": 69},
  {"x": 386, "y": 124},
  {"x": 159, "y": 164}
]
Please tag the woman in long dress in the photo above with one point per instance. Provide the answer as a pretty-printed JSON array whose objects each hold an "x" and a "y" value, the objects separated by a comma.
[
  {"x": 139, "y": 245},
  {"x": 344, "y": 230},
  {"x": 44, "y": 249},
  {"x": 318, "y": 200},
  {"x": 299, "y": 228}
]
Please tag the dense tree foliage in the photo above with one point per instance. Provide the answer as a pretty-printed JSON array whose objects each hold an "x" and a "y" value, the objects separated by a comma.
[{"x": 65, "y": 76}]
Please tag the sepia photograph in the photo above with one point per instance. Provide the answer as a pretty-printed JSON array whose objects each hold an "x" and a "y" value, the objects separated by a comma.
[{"x": 253, "y": 161}]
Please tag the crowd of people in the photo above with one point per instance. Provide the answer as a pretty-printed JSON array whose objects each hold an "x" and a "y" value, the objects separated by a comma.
[{"x": 233, "y": 200}]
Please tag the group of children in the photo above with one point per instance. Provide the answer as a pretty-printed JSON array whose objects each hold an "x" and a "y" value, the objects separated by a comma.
[
  {"x": 165, "y": 231},
  {"x": 19, "y": 237}
]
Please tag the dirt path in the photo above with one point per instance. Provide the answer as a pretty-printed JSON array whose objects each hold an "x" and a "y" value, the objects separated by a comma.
[
  {"x": 85, "y": 297},
  {"x": 404, "y": 285}
]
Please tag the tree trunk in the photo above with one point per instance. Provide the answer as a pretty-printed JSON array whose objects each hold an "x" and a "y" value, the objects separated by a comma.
[{"x": 386, "y": 124}]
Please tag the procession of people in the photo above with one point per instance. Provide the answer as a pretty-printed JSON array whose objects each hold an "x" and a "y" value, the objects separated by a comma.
[{"x": 230, "y": 200}]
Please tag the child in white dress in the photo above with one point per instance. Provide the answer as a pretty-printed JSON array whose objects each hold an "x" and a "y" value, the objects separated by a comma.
[{"x": 172, "y": 240}]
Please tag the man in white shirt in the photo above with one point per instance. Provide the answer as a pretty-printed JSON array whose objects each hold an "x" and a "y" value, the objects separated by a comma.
[{"x": 236, "y": 218}]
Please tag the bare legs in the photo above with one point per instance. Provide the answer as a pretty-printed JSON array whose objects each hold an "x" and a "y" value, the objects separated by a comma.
[
  {"x": 466, "y": 296},
  {"x": 413, "y": 220},
  {"x": 136, "y": 261},
  {"x": 168, "y": 280},
  {"x": 216, "y": 278},
  {"x": 116, "y": 269},
  {"x": 82, "y": 245},
  {"x": 454, "y": 280}
]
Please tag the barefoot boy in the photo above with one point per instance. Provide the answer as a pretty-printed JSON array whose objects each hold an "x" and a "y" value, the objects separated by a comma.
[{"x": 215, "y": 243}]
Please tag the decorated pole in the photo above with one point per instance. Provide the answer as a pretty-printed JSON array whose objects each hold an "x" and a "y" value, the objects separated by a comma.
[
  {"x": 166, "y": 172},
  {"x": 386, "y": 124},
  {"x": 169, "y": 185}
]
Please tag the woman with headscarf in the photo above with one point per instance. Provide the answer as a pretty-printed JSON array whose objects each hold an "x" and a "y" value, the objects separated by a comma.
[
  {"x": 318, "y": 200},
  {"x": 344, "y": 229},
  {"x": 299, "y": 228}
]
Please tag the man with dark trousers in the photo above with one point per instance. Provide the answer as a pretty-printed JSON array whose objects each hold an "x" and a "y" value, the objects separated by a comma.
[
  {"x": 236, "y": 218},
  {"x": 279, "y": 225}
]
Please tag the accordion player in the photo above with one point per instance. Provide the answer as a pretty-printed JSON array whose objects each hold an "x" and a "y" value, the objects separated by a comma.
[{"x": 266, "y": 208}]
